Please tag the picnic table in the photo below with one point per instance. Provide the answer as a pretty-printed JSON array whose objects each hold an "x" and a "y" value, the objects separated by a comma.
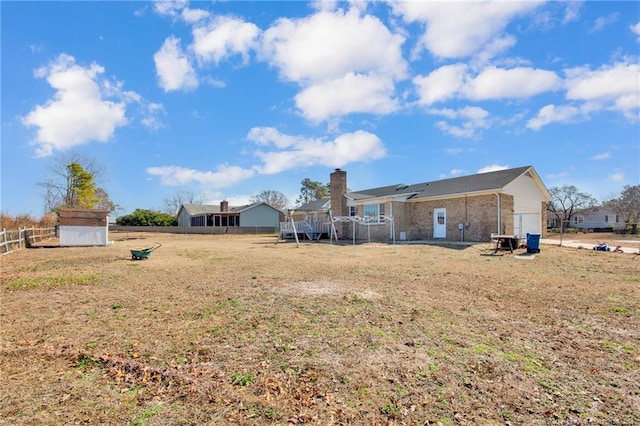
[{"x": 504, "y": 242}]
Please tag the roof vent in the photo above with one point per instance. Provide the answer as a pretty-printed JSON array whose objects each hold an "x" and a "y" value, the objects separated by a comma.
[{"x": 401, "y": 186}]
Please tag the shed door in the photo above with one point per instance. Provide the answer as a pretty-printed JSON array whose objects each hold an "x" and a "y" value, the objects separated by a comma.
[{"x": 440, "y": 223}]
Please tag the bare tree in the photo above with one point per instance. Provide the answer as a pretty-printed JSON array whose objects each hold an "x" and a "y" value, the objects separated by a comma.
[
  {"x": 275, "y": 199},
  {"x": 627, "y": 206},
  {"x": 567, "y": 200},
  {"x": 172, "y": 203}
]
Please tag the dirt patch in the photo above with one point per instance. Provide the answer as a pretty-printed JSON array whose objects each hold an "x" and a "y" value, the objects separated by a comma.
[
  {"x": 240, "y": 330},
  {"x": 327, "y": 288}
]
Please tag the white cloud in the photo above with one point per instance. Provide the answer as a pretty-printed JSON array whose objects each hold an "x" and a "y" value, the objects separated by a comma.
[
  {"x": 497, "y": 83},
  {"x": 328, "y": 5},
  {"x": 455, "y": 81},
  {"x": 462, "y": 29},
  {"x": 224, "y": 37},
  {"x": 604, "y": 21},
  {"x": 170, "y": 8},
  {"x": 442, "y": 84},
  {"x": 278, "y": 153},
  {"x": 615, "y": 87},
  {"x": 466, "y": 130},
  {"x": 473, "y": 119},
  {"x": 572, "y": 11},
  {"x": 328, "y": 45},
  {"x": 297, "y": 151},
  {"x": 559, "y": 175},
  {"x": 349, "y": 94},
  {"x": 345, "y": 62},
  {"x": 150, "y": 119},
  {"x": 554, "y": 114},
  {"x": 194, "y": 15},
  {"x": 611, "y": 87},
  {"x": 452, "y": 173},
  {"x": 173, "y": 68},
  {"x": 616, "y": 177},
  {"x": 80, "y": 111},
  {"x": 603, "y": 156},
  {"x": 224, "y": 175},
  {"x": 492, "y": 168},
  {"x": 636, "y": 30}
]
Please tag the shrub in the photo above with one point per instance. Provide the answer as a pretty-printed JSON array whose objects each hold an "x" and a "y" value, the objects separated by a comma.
[{"x": 142, "y": 217}]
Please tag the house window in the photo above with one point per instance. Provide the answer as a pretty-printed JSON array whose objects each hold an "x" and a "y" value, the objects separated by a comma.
[
  {"x": 315, "y": 216},
  {"x": 611, "y": 219},
  {"x": 352, "y": 211},
  {"x": 578, "y": 219},
  {"x": 374, "y": 213}
]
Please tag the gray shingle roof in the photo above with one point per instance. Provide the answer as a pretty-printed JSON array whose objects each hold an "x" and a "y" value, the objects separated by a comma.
[
  {"x": 198, "y": 209},
  {"x": 482, "y": 182},
  {"x": 314, "y": 205}
]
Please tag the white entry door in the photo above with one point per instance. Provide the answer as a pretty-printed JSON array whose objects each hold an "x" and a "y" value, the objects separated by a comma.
[{"x": 440, "y": 223}]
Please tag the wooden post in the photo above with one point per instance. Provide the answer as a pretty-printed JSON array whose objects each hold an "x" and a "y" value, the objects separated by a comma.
[{"x": 293, "y": 224}]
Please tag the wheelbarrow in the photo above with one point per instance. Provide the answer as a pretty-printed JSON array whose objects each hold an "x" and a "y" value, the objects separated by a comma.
[{"x": 144, "y": 253}]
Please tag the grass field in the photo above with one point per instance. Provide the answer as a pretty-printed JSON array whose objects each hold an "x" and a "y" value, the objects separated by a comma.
[{"x": 239, "y": 330}]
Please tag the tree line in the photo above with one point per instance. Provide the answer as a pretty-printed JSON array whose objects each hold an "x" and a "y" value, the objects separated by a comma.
[{"x": 76, "y": 181}]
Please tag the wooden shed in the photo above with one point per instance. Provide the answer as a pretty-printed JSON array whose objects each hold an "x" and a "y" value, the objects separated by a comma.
[{"x": 83, "y": 227}]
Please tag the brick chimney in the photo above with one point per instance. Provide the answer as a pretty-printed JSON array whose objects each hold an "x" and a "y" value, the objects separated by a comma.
[
  {"x": 338, "y": 188},
  {"x": 224, "y": 206}
]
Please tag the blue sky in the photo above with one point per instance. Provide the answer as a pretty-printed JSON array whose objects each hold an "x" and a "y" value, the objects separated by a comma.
[{"x": 231, "y": 98}]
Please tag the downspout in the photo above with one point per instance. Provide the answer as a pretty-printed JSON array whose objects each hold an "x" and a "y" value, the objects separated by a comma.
[
  {"x": 498, "y": 195},
  {"x": 392, "y": 230}
]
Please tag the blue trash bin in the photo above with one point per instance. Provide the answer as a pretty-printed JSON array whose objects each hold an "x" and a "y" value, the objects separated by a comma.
[{"x": 533, "y": 243}]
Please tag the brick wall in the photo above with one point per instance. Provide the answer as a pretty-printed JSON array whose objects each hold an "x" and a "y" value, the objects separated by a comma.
[
  {"x": 338, "y": 187},
  {"x": 480, "y": 212}
]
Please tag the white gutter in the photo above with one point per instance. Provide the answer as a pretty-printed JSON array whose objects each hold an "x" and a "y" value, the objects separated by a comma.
[
  {"x": 392, "y": 230},
  {"x": 498, "y": 195}
]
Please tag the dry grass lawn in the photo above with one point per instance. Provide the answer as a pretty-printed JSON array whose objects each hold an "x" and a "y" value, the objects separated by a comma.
[{"x": 239, "y": 330}]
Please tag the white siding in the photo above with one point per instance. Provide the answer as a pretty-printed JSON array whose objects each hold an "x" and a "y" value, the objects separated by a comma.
[
  {"x": 83, "y": 235},
  {"x": 527, "y": 205}
]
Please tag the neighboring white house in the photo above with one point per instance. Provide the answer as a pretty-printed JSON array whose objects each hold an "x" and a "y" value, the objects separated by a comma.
[
  {"x": 206, "y": 215},
  {"x": 597, "y": 218}
]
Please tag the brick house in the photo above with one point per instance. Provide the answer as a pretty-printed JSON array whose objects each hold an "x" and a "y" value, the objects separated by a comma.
[{"x": 468, "y": 208}]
